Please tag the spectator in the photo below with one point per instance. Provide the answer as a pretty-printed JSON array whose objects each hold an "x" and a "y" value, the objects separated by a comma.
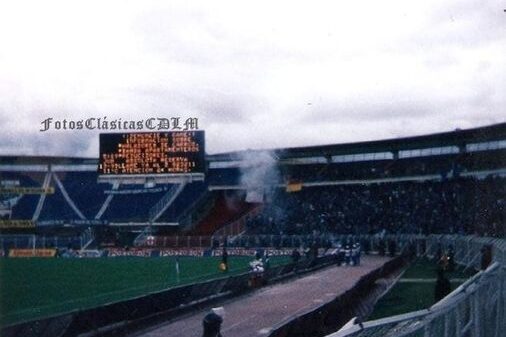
[
  {"x": 486, "y": 256},
  {"x": 456, "y": 205},
  {"x": 295, "y": 255},
  {"x": 392, "y": 247},
  {"x": 212, "y": 322},
  {"x": 224, "y": 259},
  {"x": 443, "y": 286},
  {"x": 451, "y": 258}
]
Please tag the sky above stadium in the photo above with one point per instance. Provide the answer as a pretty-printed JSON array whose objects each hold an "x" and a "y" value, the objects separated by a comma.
[{"x": 261, "y": 74}]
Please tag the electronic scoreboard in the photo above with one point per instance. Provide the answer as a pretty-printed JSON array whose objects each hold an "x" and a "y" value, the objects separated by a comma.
[{"x": 152, "y": 154}]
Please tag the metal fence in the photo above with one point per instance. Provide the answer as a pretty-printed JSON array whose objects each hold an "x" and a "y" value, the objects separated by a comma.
[
  {"x": 17, "y": 241},
  {"x": 370, "y": 242},
  {"x": 475, "y": 309}
]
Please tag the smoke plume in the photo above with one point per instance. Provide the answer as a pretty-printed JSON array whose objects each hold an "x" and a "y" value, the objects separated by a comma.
[{"x": 259, "y": 173}]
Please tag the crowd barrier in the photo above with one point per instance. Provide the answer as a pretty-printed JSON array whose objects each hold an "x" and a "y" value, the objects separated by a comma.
[
  {"x": 119, "y": 318},
  {"x": 477, "y": 308},
  {"x": 331, "y": 315},
  {"x": 264, "y": 240}
]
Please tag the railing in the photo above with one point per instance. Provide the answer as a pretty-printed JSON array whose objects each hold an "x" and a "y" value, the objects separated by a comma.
[
  {"x": 476, "y": 308},
  {"x": 8, "y": 241},
  {"x": 370, "y": 243}
]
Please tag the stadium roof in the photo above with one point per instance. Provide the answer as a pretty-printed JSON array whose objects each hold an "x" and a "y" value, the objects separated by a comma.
[
  {"x": 45, "y": 160},
  {"x": 455, "y": 138}
]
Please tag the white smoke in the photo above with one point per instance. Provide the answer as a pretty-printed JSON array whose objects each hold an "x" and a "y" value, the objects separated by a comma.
[{"x": 259, "y": 173}]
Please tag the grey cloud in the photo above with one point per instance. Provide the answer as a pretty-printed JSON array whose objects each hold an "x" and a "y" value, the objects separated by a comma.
[
  {"x": 198, "y": 39},
  {"x": 50, "y": 144},
  {"x": 460, "y": 26},
  {"x": 364, "y": 110},
  {"x": 185, "y": 62},
  {"x": 213, "y": 105}
]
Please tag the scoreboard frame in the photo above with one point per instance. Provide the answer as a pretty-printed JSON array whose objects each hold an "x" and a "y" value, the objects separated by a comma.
[
  {"x": 157, "y": 178},
  {"x": 143, "y": 179}
]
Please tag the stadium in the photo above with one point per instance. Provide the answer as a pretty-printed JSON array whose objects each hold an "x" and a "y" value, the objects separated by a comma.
[{"x": 393, "y": 237}]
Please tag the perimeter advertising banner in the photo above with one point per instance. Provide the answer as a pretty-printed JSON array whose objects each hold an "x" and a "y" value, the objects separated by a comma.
[
  {"x": 7, "y": 224},
  {"x": 32, "y": 252}
]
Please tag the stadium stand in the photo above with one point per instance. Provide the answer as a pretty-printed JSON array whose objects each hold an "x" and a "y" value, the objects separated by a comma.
[
  {"x": 459, "y": 205},
  {"x": 25, "y": 206},
  {"x": 132, "y": 207},
  {"x": 397, "y": 185},
  {"x": 83, "y": 188}
]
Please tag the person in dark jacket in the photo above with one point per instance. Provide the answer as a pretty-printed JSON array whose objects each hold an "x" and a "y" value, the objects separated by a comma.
[
  {"x": 381, "y": 247},
  {"x": 295, "y": 255},
  {"x": 392, "y": 247},
  {"x": 451, "y": 258},
  {"x": 224, "y": 260},
  {"x": 443, "y": 286},
  {"x": 486, "y": 256},
  {"x": 212, "y": 323}
]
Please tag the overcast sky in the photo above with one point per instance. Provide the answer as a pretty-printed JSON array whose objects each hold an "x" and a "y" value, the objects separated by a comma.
[{"x": 257, "y": 74}]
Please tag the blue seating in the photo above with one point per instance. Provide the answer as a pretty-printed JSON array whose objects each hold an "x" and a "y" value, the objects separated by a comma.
[
  {"x": 185, "y": 199},
  {"x": 131, "y": 207},
  {"x": 87, "y": 194},
  {"x": 26, "y": 205}
]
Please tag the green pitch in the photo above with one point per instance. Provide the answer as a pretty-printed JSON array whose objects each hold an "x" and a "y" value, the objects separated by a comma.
[
  {"x": 415, "y": 290},
  {"x": 35, "y": 287}
]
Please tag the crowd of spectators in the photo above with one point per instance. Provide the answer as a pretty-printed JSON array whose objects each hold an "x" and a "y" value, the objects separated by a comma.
[{"x": 459, "y": 205}]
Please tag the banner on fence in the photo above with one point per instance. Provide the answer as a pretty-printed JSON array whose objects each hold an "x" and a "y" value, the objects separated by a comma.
[
  {"x": 114, "y": 252},
  {"x": 26, "y": 190},
  {"x": 182, "y": 252},
  {"x": 196, "y": 252},
  {"x": 252, "y": 252},
  {"x": 32, "y": 252},
  {"x": 6, "y": 224}
]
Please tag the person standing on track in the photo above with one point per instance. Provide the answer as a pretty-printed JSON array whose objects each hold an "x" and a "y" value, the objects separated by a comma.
[
  {"x": 224, "y": 259},
  {"x": 212, "y": 322}
]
